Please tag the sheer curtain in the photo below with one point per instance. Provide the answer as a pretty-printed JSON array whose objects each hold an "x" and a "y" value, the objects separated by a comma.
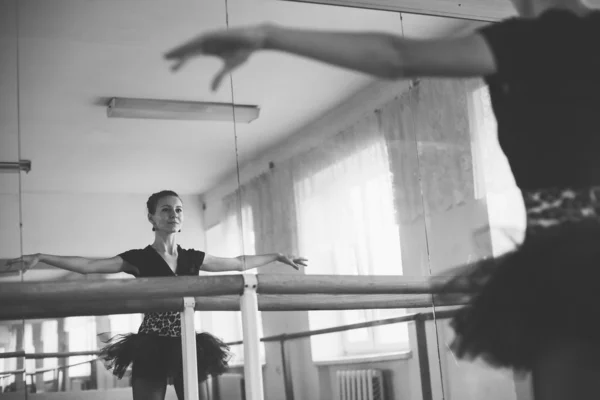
[
  {"x": 347, "y": 226},
  {"x": 493, "y": 177},
  {"x": 50, "y": 345},
  {"x": 231, "y": 237},
  {"x": 82, "y": 337},
  {"x": 10, "y": 364},
  {"x": 28, "y": 346},
  {"x": 270, "y": 196}
]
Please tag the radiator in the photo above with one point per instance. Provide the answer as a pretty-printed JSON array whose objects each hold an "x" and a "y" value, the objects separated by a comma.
[{"x": 364, "y": 384}]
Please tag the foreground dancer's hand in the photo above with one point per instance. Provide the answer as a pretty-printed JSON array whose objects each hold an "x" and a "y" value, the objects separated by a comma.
[
  {"x": 232, "y": 46},
  {"x": 377, "y": 54}
]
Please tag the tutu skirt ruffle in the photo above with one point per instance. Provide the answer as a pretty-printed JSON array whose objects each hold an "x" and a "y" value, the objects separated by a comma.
[
  {"x": 545, "y": 291},
  {"x": 159, "y": 357}
]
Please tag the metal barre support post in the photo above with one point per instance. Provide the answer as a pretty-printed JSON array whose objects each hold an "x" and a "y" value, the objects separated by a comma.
[
  {"x": 188, "y": 348},
  {"x": 423, "y": 358},
  {"x": 252, "y": 368},
  {"x": 287, "y": 376}
]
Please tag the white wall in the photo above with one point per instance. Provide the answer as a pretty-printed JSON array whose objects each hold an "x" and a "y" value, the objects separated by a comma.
[
  {"x": 90, "y": 225},
  {"x": 98, "y": 225},
  {"x": 330, "y": 123},
  {"x": 10, "y": 239}
]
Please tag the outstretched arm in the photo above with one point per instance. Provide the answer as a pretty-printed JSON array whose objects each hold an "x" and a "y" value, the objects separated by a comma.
[
  {"x": 244, "y": 263},
  {"x": 381, "y": 55},
  {"x": 80, "y": 265},
  {"x": 386, "y": 55}
]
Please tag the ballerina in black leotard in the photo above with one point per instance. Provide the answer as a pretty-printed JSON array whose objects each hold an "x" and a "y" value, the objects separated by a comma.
[
  {"x": 543, "y": 72},
  {"x": 154, "y": 352}
]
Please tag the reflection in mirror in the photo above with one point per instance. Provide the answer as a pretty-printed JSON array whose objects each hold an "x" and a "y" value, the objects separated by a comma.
[
  {"x": 331, "y": 172},
  {"x": 12, "y": 357},
  {"x": 98, "y": 160},
  {"x": 366, "y": 177}
]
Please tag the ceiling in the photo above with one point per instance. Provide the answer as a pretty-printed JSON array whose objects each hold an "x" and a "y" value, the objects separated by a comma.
[{"x": 74, "y": 55}]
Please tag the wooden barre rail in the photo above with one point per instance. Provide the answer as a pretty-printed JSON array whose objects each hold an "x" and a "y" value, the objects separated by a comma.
[
  {"x": 62, "y": 309},
  {"x": 120, "y": 289},
  {"x": 59, "y": 368},
  {"x": 346, "y": 284},
  {"x": 216, "y": 285},
  {"x": 426, "y": 316},
  {"x": 6, "y": 374},
  {"x": 39, "y": 356},
  {"x": 13, "y": 354},
  {"x": 49, "y": 369},
  {"x": 34, "y": 310},
  {"x": 369, "y": 324}
]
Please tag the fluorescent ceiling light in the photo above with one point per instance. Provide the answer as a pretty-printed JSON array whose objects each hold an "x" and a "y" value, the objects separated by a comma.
[
  {"x": 120, "y": 107},
  {"x": 16, "y": 166}
]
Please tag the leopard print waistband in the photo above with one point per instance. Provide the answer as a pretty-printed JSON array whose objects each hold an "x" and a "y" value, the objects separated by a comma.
[
  {"x": 162, "y": 324},
  {"x": 550, "y": 207}
]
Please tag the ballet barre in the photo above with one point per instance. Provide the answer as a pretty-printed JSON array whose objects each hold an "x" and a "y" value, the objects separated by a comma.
[
  {"x": 215, "y": 285},
  {"x": 61, "y": 309},
  {"x": 248, "y": 293}
]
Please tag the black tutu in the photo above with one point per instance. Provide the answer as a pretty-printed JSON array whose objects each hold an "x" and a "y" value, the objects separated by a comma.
[
  {"x": 545, "y": 291},
  {"x": 160, "y": 357}
]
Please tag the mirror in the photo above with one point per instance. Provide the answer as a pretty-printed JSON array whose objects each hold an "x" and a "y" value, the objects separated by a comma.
[
  {"x": 360, "y": 176},
  {"x": 315, "y": 176},
  {"x": 12, "y": 333},
  {"x": 365, "y": 177},
  {"x": 95, "y": 167}
]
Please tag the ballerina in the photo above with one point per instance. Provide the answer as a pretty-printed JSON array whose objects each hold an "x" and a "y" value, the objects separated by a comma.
[{"x": 154, "y": 352}]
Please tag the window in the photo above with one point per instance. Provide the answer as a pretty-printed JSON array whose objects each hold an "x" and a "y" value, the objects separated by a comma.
[
  {"x": 125, "y": 323},
  {"x": 50, "y": 345},
  {"x": 81, "y": 336},
  {"x": 493, "y": 177},
  {"x": 81, "y": 333},
  {"x": 347, "y": 226},
  {"x": 3, "y": 378},
  {"x": 28, "y": 346},
  {"x": 232, "y": 237}
]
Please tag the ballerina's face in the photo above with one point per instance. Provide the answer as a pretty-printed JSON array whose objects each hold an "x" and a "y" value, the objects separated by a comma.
[{"x": 168, "y": 216}]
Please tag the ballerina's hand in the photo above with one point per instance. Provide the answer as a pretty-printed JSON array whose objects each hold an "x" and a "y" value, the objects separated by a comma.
[
  {"x": 292, "y": 261},
  {"x": 233, "y": 46},
  {"x": 27, "y": 261}
]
